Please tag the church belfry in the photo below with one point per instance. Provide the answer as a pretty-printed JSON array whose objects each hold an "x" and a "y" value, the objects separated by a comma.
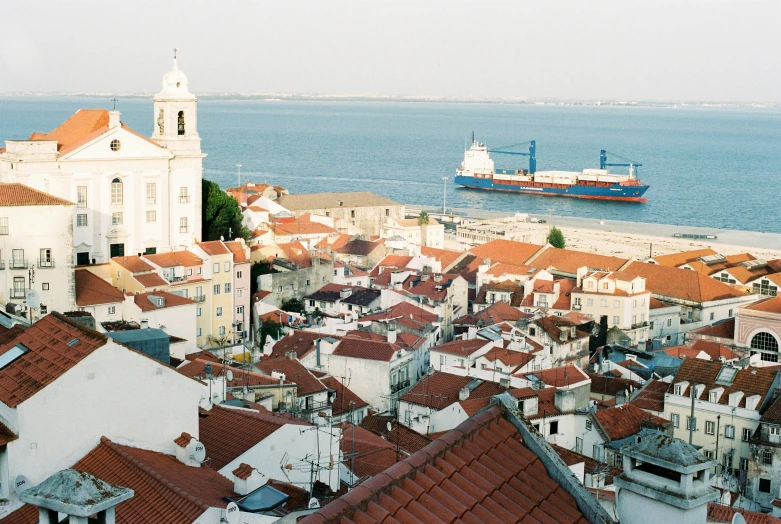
[{"x": 176, "y": 114}]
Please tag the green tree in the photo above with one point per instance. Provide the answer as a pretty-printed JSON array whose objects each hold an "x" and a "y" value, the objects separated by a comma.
[
  {"x": 269, "y": 327},
  {"x": 292, "y": 305},
  {"x": 423, "y": 222},
  {"x": 257, "y": 269},
  {"x": 220, "y": 214},
  {"x": 556, "y": 238}
]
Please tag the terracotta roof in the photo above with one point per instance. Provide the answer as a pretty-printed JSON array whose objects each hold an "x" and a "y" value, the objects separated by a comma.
[
  {"x": 83, "y": 126},
  {"x": 561, "y": 376},
  {"x": 499, "y": 312},
  {"x": 505, "y": 251},
  {"x": 714, "y": 350},
  {"x": 366, "y": 349},
  {"x": 510, "y": 358},
  {"x": 590, "y": 466},
  {"x": 679, "y": 283},
  {"x": 149, "y": 301},
  {"x": 166, "y": 490},
  {"x": 408, "y": 440},
  {"x": 91, "y": 290},
  {"x": 13, "y": 194},
  {"x": 228, "y": 433},
  {"x": 344, "y": 396},
  {"x": 390, "y": 262},
  {"x": 133, "y": 263},
  {"x": 568, "y": 261},
  {"x": 678, "y": 259},
  {"x": 371, "y": 454},
  {"x": 150, "y": 280},
  {"x": 724, "y": 514},
  {"x": 357, "y": 247},
  {"x": 479, "y": 472},
  {"x": 244, "y": 471},
  {"x": 654, "y": 303},
  {"x": 294, "y": 372},
  {"x": 197, "y": 369},
  {"x": 723, "y": 329},
  {"x": 626, "y": 420},
  {"x": 751, "y": 381},
  {"x": 296, "y": 252},
  {"x": 603, "y": 385},
  {"x": 175, "y": 258},
  {"x": 769, "y": 305},
  {"x": 462, "y": 348},
  {"x": 54, "y": 345},
  {"x": 651, "y": 396},
  {"x": 183, "y": 440},
  {"x": 440, "y": 390},
  {"x": 311, "y": 201},
  {"x": 773, "y": 413},
  {"x": 430, "y": 288},
  {"x": 403, "y": 310},
  {"x": 680, "y": 351},
  {"x": 301, "y": 227},
  {"x": 239, "y": 253},
  {"x": 333, "y": 243},
  {"x": 214, "y": 247},
  {"x": 299, "y": 342},
  {"x": 6, "y": 435},
  {"x": 445, "y": 257}
]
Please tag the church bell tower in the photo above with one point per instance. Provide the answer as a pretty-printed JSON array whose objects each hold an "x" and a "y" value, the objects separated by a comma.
[{"x": 176, "y": 115}]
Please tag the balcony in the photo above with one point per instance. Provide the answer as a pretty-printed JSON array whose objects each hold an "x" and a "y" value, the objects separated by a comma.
[
  {"x": 18, "y": 263},
  {"x": 184, "y": 199},
  {"x": 199, "y": 298},
  {"x": 639, "y": 325},
  {"x": 46, "y": 263},
  {"x": 576, "y": 307},
  {"x": 17, "y": 293},
  {"x": 399, "y": 386}
]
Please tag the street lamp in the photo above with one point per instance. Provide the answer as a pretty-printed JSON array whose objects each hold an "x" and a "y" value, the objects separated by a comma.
[
  {"x": 238, "y": 166},
  {"x": 550, "y": 217},
  {"x": 444, "y": 196}
]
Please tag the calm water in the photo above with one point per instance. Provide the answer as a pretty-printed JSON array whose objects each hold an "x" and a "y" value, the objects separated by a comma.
[{"x": 706, "y": 167}]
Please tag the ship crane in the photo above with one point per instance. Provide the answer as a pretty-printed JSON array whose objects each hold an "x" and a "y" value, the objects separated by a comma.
[
  {"x": 603, "y": 163},
  {"x": 531, "y": 153}
]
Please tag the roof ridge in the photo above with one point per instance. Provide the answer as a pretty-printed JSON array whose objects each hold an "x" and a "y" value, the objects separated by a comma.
[{"x": 154, "y": 474}]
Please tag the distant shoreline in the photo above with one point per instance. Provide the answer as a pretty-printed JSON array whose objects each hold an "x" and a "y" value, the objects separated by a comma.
[{"x": 287, "y": 97}]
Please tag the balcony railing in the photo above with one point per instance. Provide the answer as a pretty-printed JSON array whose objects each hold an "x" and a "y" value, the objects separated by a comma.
[
  {"x": 46, "y": 263},
  {"x": 576, "y": 307},
  {"x": 639, "y": 325},
  {"x": 399, "y": 386},
  {"x": 199, "y": 298},
  {"x": 184, "y": 199},
  {"x": 18, "y": 263},
  {"x": 17, "y": 293}
]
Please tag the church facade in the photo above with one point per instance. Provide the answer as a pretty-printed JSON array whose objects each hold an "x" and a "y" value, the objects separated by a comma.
[{"x": 132, "y": 194}]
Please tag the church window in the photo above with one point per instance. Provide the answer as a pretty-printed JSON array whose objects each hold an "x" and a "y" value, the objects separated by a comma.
[
  {"x": 180, "y": 123},
  {"x": 116, "y": 219},
  {"x": 767, "y": 346},
  {"x": 3, "y": 225},
  {"x": 151, "y": 216},
  {"x": 115, "y": 145},
  {"x": 184, "y": 198},
  {"x": 117, "y": 193},
  {"x": 81, "y": 220},
  {"x": 183, "y": 225},
  {"x": 81, "y": 196},
  {"x": 151, "y": 193}
]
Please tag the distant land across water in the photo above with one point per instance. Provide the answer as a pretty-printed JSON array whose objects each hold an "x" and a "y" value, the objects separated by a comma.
[{"x": 707, "y": 166}]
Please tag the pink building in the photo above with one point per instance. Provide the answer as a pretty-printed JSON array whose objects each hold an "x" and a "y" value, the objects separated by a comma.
[
  {"x": 241, "y": 283},
  {"x": 758, "y": 326}
]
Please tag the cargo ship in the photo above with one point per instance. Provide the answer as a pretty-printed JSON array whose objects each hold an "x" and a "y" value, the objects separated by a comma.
[{"x": 477, "y": 171}]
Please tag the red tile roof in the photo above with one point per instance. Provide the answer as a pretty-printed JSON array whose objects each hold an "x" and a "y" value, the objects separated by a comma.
[
  {"x": 445, "y": 257},
  {"x": 724, "y": 329},
  {"x": 370, "y": 454},
  {"x": 294, "y": 372},
  {"x": 683, "y": 257},
  {"x": 344, "y": 396},
  {"x": 626, "y": 420},
  {"x": 196, "y": 369},
  {"x": 603, "y": 385},
  {"x": 590, "y": 466},
  {"x": 408, "y": 440},
  {"x": 462, "y": 348},
  {"x": 504, "y": 251},
  {"x": 440, "y": 390},
  {"x": 510, "y": 358},
  {"x": 403, "y": 310},
  {"x": 769, "y": 305},
  {"x": 354, "y": 347},
  {"x": 679, "y": 283},
  {"x": 175, "y": 258},
  {"x": 751, "y": 381},
  {"x": 239, "y": 252},
  {"x": 568, "y": 261},
  {"x": 724, "y": 514},
  {"x": 150, "y": 280},
  {"x": 651, "y": 396},
  {"x": 773, "y": 413},
  {"x": 227, "y": 433},
  {"x": 13, "y": 194},
  {"x": 6, "y": 435},
  {"x": 499, "y": 312},
  {"x": 91, "y": 290},
  {"x": 214, "y": 247},
  {"x": 165, "y": 489},
  {"x": 714, "y": 350},
  {"x": 389, "y": 263},
  {"x": 561, "y": 376},
  {"x": 51, "y": 352},
  {"x": 299, "y": 342},
  {"x": 302, "y": 227},
  {"x": 148, "y": 301},
  {"x": 680, "y": 351},
  {"x": 133, "y": 263},
  {"x": 478, "y": 472},
  {"x": 85, "y": 125},
  {"x": 357, "y": 247}
]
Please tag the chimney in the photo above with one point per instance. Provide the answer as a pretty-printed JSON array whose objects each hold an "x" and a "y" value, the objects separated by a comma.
[
  {"x": 317, "y": 353},
  {"x": 621, "y": 396},
  {"x": 344, "y": 293},
  {"x": 463, "y": 394},
  {"x": 392, "y": 332},
  {"x": 113, "y": 119},
  {"x": 564, "y": 400},
  {"x": 144, "y": 323},
  {"x": 246, "y": 479},
  {"x": 78, "y": 495},
  {"x": 529, "y": 406},
  {"x": 189, "y": 451}
]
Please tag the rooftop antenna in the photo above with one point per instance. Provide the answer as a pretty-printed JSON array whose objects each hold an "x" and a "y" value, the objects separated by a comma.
[{"x": 115, "y": 100}]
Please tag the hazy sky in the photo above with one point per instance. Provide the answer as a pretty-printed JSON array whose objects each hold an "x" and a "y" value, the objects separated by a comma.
[{"x": 576, "y": 49}]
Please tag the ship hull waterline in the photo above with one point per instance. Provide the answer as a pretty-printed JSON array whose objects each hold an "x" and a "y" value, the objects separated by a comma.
[{"x": 621, "y": 193}]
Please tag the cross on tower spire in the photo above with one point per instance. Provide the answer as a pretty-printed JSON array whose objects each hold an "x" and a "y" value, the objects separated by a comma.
[
  {"x": 174, "y": 53},
  {"x": 115, "y": 100}
]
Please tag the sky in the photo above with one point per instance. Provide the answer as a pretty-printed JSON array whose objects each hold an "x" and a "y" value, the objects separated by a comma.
[{"x": 561, "y": 49}]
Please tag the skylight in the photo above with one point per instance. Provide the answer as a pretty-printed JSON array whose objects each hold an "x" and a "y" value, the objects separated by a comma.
[
  {"x": 12, "y": 354},
  {"x": 726, "y": 375},
  {"x": 73, "y": 342}
]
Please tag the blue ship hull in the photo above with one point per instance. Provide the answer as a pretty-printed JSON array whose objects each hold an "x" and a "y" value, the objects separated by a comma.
[{"x": 626, "y": 193}]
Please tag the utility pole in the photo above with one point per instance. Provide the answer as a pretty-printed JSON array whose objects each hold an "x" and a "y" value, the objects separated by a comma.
[{"x": 444, "y": 196}]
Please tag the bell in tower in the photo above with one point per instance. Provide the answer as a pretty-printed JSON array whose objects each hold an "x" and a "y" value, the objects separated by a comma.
[{"x": 176, "y": 114}]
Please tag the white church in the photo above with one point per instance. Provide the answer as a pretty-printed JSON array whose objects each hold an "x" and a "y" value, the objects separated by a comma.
[{"x": 132, "y": 194}]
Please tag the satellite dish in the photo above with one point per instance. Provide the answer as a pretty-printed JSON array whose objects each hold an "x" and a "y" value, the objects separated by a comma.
[
  {"x": 33, "y": 300},
  {"x": 21, "y": 483},
  {"x": 229, "y": 375},
  {"x": 314, "y": 503},
  {"x": 389, "y": 425},
  {"x": 232, "y": 513},
  {"x": 197, "y": 450}
]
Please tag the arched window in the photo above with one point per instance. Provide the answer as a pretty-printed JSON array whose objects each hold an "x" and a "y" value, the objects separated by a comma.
[
  {"x": 180, "y": 123},
  {"x": 765, "y": 342},
  {"x": 116, "y": 192}
]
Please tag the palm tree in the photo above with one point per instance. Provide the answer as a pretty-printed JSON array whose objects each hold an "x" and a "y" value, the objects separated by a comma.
[{"x": 423, "y": 223}]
